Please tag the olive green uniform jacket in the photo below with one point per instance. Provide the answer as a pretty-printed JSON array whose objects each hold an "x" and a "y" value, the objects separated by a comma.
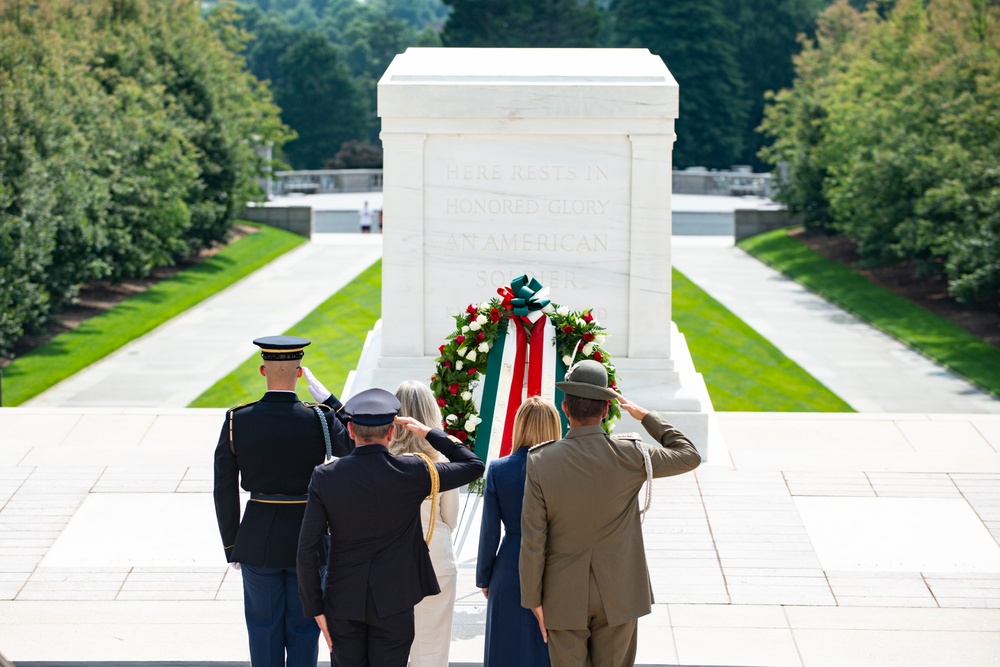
[{"x": 581, "y": 513}]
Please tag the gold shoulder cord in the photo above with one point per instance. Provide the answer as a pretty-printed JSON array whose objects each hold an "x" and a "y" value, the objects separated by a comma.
[
  {"x": 435, "y": 490},
  {"x": 229, "y": 414}
]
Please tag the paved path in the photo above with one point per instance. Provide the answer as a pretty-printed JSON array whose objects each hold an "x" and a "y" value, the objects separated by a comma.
[
  {"x": 174, "y": 364},
  {"x": 830, "y": 541},
  {"x": 870, "y": 370},
  {"x": 825, "y": 540}
]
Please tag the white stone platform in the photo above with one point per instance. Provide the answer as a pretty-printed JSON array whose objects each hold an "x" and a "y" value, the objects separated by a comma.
[{"x": 842, "y": 539}]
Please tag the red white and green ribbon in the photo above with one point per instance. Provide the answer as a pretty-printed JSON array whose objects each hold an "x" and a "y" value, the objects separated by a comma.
[{"x": 522, "y": 363}]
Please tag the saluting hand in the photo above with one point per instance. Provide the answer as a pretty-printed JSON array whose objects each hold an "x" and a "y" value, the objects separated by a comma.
[
  {"x": 633, "y": 409},
  {"x": 316, "y": 388},
  {"x": 412, "y": 425}
]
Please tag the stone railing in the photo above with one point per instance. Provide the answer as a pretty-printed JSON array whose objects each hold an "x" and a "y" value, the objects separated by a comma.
[
  {"x": 327, "y": 181},
  {"x": 691, "y": 181},
  {"x": 735, "y": 183}
]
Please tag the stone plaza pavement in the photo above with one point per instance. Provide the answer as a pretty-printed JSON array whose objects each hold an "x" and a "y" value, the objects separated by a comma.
[
  {"x": 844, "y": 539},
  {"x": 847, "y": 539}
]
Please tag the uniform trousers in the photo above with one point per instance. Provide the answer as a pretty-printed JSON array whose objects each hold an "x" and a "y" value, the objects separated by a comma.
[
  {"x": 598, "y": 645},
  {"x": 276, "y": 623},
  {"x": 375, "y": 642}
]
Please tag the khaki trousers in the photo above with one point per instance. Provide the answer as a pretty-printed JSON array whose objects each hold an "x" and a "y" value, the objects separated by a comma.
[{"x": 600, "y": 644}]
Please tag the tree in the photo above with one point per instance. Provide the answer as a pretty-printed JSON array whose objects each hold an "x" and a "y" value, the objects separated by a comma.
[
  {"x": 766, "y": 34},
  {"x": 318, "y": 99},
  {"x": 128, "y": 141},
  {"x": 522, "y": 23},
  {"x": 893, "y": 119},
  {"x": 697, "y": 42},
  {"x": 356, "y": 155},
  {"x": 795, "y": 119}
]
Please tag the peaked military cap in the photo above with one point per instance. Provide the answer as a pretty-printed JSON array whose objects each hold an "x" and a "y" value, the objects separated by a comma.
[
  {"x": 587, "y": 379},
  {"x": 281, "y": 348},
  {"x": 372, "y": 407}
]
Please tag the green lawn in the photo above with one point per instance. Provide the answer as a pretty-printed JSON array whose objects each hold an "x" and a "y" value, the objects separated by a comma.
[
  {"x": 919, "y": 328},
  {"x": 337, "y": 328},
  {"x": 99, "y": 336},
  {"x": 742, "y": 370}
]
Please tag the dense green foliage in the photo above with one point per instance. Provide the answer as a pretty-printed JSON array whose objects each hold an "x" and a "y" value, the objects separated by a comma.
[
  {"x": 324, "y": 60},
  {"x": 128, "y": 134},
  {"x": 890, "y": 135},
  {"x": 919, "y": 328},
  {"x": 522, "y": 23},
  {"x": 69, "y": 352},
  {"x": 742, "y": 370},
  {"x": 338, "y": 329},
  {"x": 766, "y": 37},
  {"x": 698, "y": 43},
  {"x": 725, "y": 53}
]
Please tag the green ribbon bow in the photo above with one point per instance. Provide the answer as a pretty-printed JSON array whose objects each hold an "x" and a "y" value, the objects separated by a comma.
[{"x": 526, "y": 297}]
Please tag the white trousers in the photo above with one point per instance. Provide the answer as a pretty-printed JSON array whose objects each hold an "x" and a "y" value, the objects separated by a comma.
[{"x": 432, "y": 620}]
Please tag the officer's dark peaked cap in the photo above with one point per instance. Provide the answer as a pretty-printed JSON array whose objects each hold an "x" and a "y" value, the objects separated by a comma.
[
  {"x": 372, "y": 407},
  {"x": 281, "y": 348}
]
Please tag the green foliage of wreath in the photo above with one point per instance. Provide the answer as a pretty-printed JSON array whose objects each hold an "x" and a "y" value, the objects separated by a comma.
[{"x": 463, "y": 359}]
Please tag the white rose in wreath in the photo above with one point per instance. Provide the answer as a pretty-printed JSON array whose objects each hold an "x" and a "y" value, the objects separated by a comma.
[
  {"x": 484, "y": 347},
  {"x": 472, "y": 422}
]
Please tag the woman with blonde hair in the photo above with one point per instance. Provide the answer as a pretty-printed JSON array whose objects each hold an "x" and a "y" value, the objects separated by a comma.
[
  {"x": 432, "y": 617},
  {"x": 512, "y": 633}
]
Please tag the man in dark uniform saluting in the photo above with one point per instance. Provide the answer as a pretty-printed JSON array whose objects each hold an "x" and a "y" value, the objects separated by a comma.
[
  {"x": 270, "y": 448},
  {"x": 379, "y": 566}
]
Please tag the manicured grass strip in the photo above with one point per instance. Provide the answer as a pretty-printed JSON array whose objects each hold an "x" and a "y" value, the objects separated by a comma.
[
  {"x": 742, "y": 370},
  {"x": 337, "y": 330},
  {"x": 101, "y": 335},
  {"x": 934, "y": 336}
]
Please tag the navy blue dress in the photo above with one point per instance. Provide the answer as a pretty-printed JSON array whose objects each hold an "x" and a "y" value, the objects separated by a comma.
[{"x": 512, "y": 634}]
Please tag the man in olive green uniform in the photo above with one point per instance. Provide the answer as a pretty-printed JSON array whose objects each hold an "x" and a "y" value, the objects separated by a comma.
[{"x": 580, "y": 531}]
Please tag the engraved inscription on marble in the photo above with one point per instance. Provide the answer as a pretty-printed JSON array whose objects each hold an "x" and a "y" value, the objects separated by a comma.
[{"x": 556, "y": 208}]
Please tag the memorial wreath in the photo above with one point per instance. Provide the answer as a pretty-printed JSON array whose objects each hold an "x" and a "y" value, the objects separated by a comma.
[{"x": 499, "y": 339}]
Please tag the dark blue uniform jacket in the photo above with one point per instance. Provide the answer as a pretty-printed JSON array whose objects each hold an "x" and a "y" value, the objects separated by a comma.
[
  {"x": 371, "y": 502},
  {"x": 276, "y": 443}
]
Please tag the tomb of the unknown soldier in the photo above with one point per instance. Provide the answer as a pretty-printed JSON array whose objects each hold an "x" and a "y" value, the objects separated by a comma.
[{"x": 867, "y": 538}]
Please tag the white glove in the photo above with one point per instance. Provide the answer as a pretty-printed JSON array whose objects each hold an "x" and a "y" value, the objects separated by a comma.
[
  {"x": 235, "y": 566},
  {"x": 316, "y": 388}
]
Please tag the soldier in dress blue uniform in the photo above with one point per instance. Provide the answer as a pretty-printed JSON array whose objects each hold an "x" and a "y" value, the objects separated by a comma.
[
  {"x": 270, "y": 448},
  {"x": 379, "y": 566}
]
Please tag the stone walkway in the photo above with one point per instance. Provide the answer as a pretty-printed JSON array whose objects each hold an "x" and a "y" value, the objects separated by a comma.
[
  {"x": 870, "y": 370},
  {"x": 828, "y": 540},
  {"x": 823, "y": 540},
  {"x": 175, "y": 363}
]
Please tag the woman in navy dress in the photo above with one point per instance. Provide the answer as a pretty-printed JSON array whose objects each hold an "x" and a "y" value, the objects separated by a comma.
[{"x": 512, "y": 633}]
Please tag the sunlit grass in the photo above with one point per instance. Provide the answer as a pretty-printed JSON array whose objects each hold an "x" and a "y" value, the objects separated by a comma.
[
  {"x": 934, "y": 336},
  {"x": 337, "y": 329},
  {"x": 69, "y": 352},
  {"x": 742, "y": 370}
]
